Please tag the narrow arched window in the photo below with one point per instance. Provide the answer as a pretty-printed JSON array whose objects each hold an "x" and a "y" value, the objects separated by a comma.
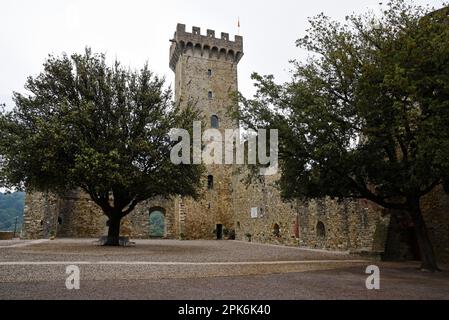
[
  {"x": 210, "y": 182},
  {"x": 276, "y": 230},
  {"x": 214, "y": 122},
  {"x": 210, "y": 95},
  {"x": 320, "y": 230}
]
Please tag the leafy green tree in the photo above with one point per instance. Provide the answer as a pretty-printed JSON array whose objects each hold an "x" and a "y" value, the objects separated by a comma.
[
  {"x": 99, "y": 128},
  {"x": 367, "y": 115}
]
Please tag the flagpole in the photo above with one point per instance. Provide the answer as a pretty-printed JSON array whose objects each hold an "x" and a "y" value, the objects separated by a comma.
[{"x": 238, "y": 25}]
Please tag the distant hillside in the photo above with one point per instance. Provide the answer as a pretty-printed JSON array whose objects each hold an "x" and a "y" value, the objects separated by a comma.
[{"x": 11, "y": 206}]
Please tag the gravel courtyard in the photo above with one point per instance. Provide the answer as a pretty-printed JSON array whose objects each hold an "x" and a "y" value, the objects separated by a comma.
[{"x": 167, "y": 269}]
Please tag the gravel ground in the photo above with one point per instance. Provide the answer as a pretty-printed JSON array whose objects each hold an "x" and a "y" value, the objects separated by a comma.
[
  {"x": 163, "y": 250},
  {"x": 204, "y": 270},
  {"x": 341, "y": 284}
]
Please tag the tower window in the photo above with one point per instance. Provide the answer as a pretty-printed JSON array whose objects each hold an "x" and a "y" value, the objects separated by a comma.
[
  {"x": 276, "y": 230},
  {"x": 209, "y": 72},
  {"x": 214, "y": 123},
  {"x": 210, "y": 182},
  {"x": 210, "y": 95}
]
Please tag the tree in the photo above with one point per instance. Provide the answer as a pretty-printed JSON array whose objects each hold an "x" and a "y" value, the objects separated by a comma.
[
  {"x": 98, "y": 128},
  {"x": 367, "y": 115}
]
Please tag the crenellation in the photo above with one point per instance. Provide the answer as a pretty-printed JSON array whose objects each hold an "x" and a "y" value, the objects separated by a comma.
[
  {"x": 196, "y": 31},
  {"x": 185, "y": 43}
]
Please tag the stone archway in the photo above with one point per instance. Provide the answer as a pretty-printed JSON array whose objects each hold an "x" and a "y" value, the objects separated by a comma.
[{"x": 157, "y": 223}]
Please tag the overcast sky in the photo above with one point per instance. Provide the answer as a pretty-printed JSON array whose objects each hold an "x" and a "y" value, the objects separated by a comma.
[{"x": 136, "y": 31}]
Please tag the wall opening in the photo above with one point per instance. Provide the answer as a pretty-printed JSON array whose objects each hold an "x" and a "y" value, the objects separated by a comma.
[
  {"x": 210, "y": 182},
  {"x": 320, "y": 230},
  {"x": 214, "y": 122},
  {"x": 210, "y": 95},
  {"x": 219, "y": 232},
  {"x": 276, "y": 230},
  {"x": 157, "y": 224}
]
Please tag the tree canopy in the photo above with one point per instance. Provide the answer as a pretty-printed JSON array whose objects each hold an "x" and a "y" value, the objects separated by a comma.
[
  {"x": 367, "y": 114},
  {"x": 103, "y": 129}
]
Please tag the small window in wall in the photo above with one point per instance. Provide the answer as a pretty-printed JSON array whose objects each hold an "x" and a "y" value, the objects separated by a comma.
[
  {"x": 59, "y": 220},
  {"x": 214, "y": 123},
  {"x": 210, "y": 182},
  {"x": 320, "y": 230},
  {"x": 210, "y": 95},
  {"x": 276, "y": 230},
  {"x": 209, "y": 72}
]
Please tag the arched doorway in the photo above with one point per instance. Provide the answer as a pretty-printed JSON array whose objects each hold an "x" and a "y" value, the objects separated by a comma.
[
  {"x": 157, "y": 224},
  {"x": 320, "y": 235},
  {"x": 276, "y": 230},
  {"x": 321, "y": 230}
]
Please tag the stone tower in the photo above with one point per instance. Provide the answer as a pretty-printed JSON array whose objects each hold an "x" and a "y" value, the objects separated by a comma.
[{"x": 206, "y": 74}]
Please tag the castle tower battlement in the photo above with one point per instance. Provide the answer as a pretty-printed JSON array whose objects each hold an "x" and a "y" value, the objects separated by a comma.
[{"x": 208, "y": 46}]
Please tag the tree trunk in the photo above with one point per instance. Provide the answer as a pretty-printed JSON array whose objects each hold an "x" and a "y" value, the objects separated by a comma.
[
  {"x": 425, "y": 246},
  {"x": 114, "y": 231}
]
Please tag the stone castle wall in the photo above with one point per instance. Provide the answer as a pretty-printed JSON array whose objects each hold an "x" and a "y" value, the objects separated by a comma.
[
  {"x": 40, "y": 215},
  {"x": 76, "y": 216},
  {"x": 213, "y": 208},
  {"x": 276, "y": 221},
  {"x": 356, "y": 226},
  {"x": 345, "y": 225}
]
